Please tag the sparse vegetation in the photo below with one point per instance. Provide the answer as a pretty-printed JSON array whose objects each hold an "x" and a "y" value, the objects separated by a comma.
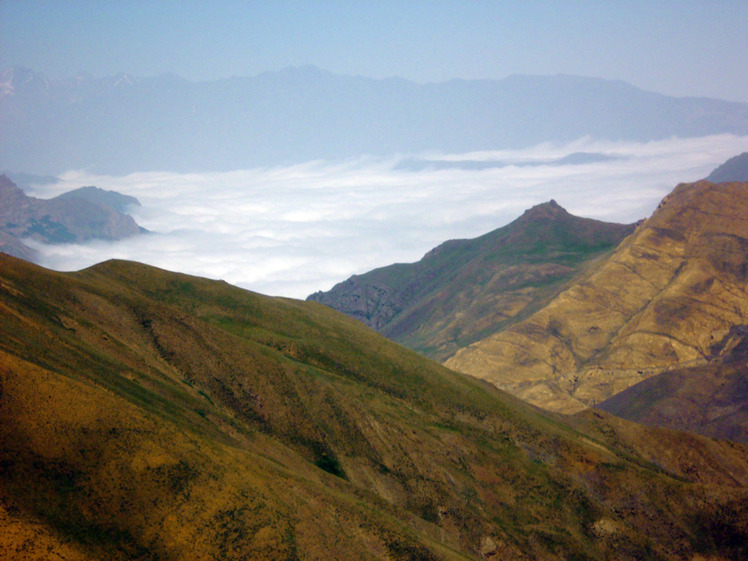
[{"x": 151, "y": 415}]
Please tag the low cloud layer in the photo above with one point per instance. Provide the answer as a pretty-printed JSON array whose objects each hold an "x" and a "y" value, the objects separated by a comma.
[{"x": 294, "y": 230}]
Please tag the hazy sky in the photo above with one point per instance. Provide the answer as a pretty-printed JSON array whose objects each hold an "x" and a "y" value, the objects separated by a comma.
[{"x": 677, "y": 47}]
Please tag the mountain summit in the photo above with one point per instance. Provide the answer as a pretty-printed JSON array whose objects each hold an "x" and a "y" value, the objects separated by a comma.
[
  {"x": 77, "y": 216},
  {"x": 463, "y": 290}
]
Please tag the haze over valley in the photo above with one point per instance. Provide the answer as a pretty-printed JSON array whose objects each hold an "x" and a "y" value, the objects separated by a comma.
[{"x": 294, "y": 230}]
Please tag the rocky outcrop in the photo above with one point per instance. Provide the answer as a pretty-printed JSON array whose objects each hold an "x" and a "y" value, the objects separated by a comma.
[{"x": 662, "y": 300}]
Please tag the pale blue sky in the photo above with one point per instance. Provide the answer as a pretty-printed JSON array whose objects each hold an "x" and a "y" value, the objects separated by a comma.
[{"x": 677, "y": 47}]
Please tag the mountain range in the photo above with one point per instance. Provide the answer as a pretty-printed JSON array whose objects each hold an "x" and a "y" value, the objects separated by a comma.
[
  {"x": 76, "y": 216},
  {"x": 124, "y": 123},
  {"x": 152, "y": 415},
  {"x": 590, "y": 403}
]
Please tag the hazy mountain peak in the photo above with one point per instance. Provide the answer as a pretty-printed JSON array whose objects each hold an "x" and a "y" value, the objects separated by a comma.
[
  {"x": 116, "y": 200},
  {"x": 124, "y": 79},
  {"x": 9, "y": 190},
  {"x": 6, "y": 82},
  {"x": 568, "y": 80},
  {"x": 734, "y": 169},
  {"x": 296, "y": 72},
  {"x": 19, "y": 79}
]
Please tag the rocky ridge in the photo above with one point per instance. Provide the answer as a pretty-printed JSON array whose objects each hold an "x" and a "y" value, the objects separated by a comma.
[{"x": 463, "y": 290}]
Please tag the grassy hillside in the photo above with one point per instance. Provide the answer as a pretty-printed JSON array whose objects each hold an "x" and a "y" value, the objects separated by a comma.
[{"x": 151, "y": 415}]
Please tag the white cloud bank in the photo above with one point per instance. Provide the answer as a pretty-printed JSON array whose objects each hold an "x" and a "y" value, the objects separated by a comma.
[{"x": 294, "y": 230}]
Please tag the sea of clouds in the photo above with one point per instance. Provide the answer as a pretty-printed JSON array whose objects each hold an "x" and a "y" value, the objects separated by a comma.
[{"x": 294, "y": 230}]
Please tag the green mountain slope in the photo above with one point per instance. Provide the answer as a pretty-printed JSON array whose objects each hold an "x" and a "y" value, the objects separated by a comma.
[
  {"x": 152, "y": 415},
  {"x": 465, "y": 290}
]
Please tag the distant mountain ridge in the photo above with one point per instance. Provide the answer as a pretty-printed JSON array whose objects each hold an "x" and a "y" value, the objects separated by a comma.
[
  {"x": 123, "y": 123},
  {"x": 76, "y": 216},
  {"x": 464, "y": 290},
  {"x": 734, "y": 169}
]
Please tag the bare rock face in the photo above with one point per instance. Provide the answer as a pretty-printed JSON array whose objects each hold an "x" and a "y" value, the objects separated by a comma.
[{"x": 662, "y": 300}]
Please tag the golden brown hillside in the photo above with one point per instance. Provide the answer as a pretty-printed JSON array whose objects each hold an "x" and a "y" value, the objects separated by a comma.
[
  {"x": 151, "y": 415},
  {"x": 710, "y": 399},
  {"x": 664, "y": 299}
]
